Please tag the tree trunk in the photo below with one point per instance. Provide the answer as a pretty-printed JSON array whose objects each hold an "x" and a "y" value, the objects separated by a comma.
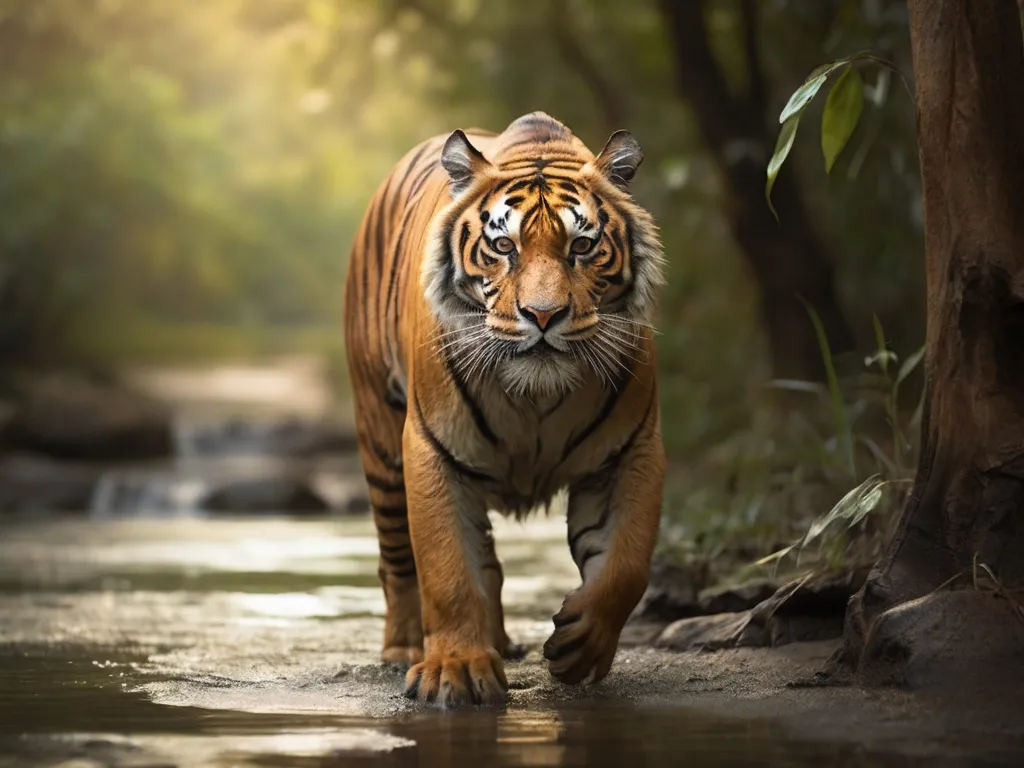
[
  {"x": 788, "y": 261},
  {"x": 967, "y": 505}
]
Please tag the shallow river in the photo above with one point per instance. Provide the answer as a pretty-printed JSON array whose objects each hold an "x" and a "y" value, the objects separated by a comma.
[{"x": 202, "y": 642}]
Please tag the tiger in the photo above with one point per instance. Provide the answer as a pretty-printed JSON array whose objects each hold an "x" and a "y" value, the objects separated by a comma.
[{"x": 499, "y": 298}]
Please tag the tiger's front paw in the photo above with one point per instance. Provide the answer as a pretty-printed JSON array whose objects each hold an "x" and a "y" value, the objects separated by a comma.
[
  {"x": 458, "y": 677},
  {"x": 584, "y": 642}
]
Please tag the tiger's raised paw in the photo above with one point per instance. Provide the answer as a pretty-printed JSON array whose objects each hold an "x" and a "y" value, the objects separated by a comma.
[
  {"x": 580, "y": 645},
  {"x": 458, "y": 677}
]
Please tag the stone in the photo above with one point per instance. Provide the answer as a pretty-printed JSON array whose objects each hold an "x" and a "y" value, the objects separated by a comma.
[
  {"x": 723, "y": 630},
  {"x": 73, "y": 417},
  {"x": 801, "y": 611},
  {"x": 953, "y": 640},
  {"x": 265, "y": 495},
  {"x": 33, "y": 483},
  {"x": 737, "y": 598},
  {"x": 671, "y": 594},
  {"x": 291, "y": 436}
]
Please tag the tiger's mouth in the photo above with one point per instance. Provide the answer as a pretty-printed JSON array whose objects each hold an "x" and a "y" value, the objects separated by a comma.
[{"x": 542, "y": 348}]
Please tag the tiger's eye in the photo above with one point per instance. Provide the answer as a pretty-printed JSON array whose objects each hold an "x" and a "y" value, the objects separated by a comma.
[
  {"x": 504, "y": 245},
  {"x": 581, "y": 245}
]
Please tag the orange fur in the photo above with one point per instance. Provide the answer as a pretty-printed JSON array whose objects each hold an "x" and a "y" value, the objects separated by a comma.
[{"x": 498, "y": 303}]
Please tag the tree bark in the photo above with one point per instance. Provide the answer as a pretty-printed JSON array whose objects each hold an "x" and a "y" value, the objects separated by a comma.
[
  {"x": 789, "y": 261},
  {"x": 967, "y": 504}
]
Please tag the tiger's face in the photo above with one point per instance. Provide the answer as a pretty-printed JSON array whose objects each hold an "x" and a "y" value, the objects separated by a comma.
[{"x": 543, "y": 266}]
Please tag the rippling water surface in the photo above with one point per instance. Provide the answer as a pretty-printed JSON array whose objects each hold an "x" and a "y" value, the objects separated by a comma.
[{"x": 205, "y": 642}]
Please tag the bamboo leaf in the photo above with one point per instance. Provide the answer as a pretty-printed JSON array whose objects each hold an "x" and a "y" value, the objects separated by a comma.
[
  {"x": 803, "y": 95},
  {"x": 775, "y": 556},
  {"x": 782, "y": 147},
  {"x": 843, "y": 108},
  {"x": 798, "y": 385},
  {"x": 839, "y": 414},
  {"x": 853, "y": 507},
  {"x": 909, "y": 365},
  {"x": 883, "y": 359}
]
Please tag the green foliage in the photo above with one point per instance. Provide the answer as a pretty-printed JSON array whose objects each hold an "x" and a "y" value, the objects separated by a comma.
[
  {"x": 757, "y": 498},
  {"x": 842, "y": 111},
  {"x": 843, "y": 108}
]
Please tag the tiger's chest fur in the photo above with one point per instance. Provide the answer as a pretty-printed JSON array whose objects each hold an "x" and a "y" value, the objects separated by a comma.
[{"x": 521, "y": 451}]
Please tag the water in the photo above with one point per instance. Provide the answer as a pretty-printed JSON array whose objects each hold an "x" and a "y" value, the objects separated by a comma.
[{"x": 197, "y": 642}]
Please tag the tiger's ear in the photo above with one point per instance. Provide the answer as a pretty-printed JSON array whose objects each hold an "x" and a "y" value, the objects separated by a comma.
[
  {"x": 620, "y": 158},
  {"x": 462, "y": 161}
]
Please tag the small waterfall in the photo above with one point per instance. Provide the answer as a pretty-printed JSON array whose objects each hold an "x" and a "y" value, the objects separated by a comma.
[{"x": 239, "y": 466}]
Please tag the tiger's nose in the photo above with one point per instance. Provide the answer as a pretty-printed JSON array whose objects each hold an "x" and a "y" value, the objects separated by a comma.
[{"x": 542, "y": 317}]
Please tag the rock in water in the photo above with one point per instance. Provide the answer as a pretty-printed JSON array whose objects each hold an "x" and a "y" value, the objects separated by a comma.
[
  {"x": 76, "y": 418},
  {"x": 265, "y": 495}
]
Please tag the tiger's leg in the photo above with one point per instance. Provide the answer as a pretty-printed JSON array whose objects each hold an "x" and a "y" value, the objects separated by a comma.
[
  {"x": 494, "y": 579},
  {"x": 613, "y": 527},
  {"x": 449, "y": 533},
  {"x": 379, "y": 427}
]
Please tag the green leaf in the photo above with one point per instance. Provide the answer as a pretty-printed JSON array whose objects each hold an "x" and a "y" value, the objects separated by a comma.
[
  {"x": 852, "y": 507},
  {"x": 774, "y": 556},
  {"x": 843, "y": 108},
  {"x": 839, "y": 412},
  {"x": 782, "y": 147},
  {"x": 802, "y": 95},
  {"x": 880, "y": 342},
  {"x": 797, "y": 385},
  {"x": 909, "y": 365}
]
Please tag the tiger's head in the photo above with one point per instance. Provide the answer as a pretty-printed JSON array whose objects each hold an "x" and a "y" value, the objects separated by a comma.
[{"x": 542, "y": 266}]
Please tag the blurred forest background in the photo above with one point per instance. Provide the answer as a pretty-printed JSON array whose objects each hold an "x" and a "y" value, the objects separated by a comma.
[{"x": 184, "y": 184}]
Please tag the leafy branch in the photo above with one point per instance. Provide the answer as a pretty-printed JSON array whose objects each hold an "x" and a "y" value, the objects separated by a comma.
[{"x": 843, "y": 108}]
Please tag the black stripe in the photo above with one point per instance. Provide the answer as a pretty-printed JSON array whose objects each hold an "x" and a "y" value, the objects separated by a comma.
[
  {"x": 474, "y": 254},
  {"x": 574, "y": 538},
  {"x": 420, "y": 180},
  {"x": 446, "y": 456},
  {"x": 402, "y": 527},
  {"x": 397, "y": 559},
  {"x": 394, "y": 400},
  {"x": 393, "y": 548},
  {"x": 407, "y": 573},
  {"x": 397, "y": 198},
  {"x": 610, "y": 464},
  {"x": 602, "y": 416},
  {"x": 368, "y": 233},
  {"x": 594, "y": 552},
  {"x": 467, "y": 398},
  {"x": 513, "y": 201},
  {"x": 605, "y": 262},
  {"x": 391, "y": 462},
  {"x": 617, "y": 238},
  {"x": 386, "y": 486},
  {"x": 463, "y": 237},
  {"x": 489, "y": 194},
  {"x": 521, "y": 184},
  {"x": 393, "y": 281},
  {"x": 555, "y": 407},
  {"x": 391, "y": 511}
]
